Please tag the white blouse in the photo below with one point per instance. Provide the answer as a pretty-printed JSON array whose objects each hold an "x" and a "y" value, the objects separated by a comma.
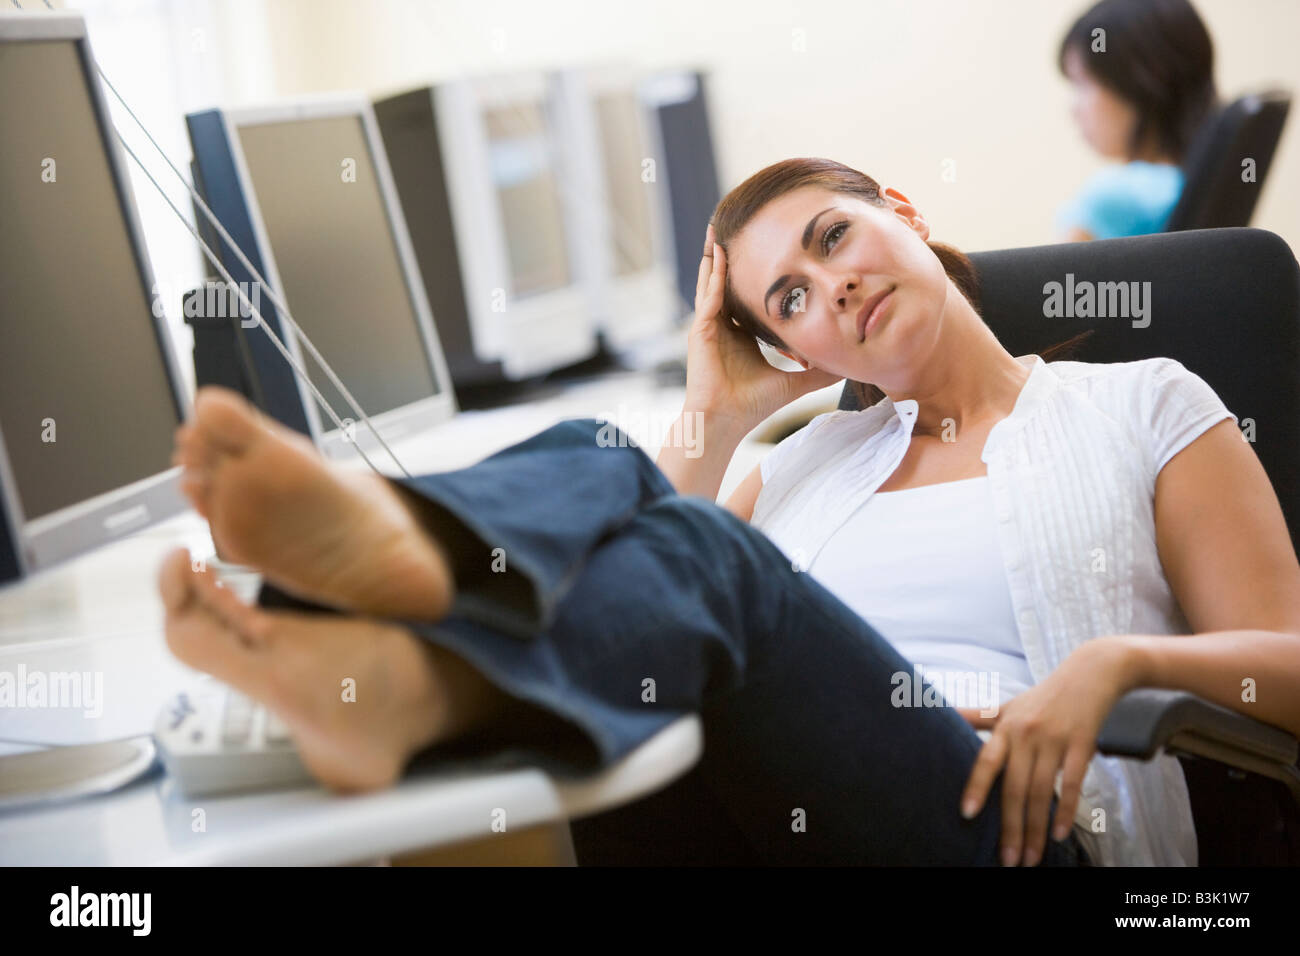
[
  {"x": 1071, "y": 476},
  {"x": 946, "y": 609}
]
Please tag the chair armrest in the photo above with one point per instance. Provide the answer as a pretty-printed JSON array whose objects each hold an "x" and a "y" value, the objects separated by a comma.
[{"x": 1145, "y": 721}]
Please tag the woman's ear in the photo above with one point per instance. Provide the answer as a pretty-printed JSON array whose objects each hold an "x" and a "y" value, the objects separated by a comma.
[{"x": 903, "y": 208}]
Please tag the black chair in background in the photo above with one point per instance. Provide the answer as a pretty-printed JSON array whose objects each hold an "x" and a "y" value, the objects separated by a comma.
[
  {"x": 1214, "y": 195},
  {"x": 1225, "y": 303}
]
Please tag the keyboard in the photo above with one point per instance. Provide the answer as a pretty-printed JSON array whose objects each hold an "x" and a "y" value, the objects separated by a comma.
[{"x": 213, "y": 739}]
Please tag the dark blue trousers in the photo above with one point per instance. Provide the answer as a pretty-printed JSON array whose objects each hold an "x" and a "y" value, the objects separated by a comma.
[{"x": 591, "y": 591}]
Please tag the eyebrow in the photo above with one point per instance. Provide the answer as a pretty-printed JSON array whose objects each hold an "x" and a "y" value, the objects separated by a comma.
[{"x": 807, "y": 238}]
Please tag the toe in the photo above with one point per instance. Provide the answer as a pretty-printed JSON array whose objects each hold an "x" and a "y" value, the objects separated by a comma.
[
  {"x": 196, "y": 487},
  {"x": 192, "y": 450},
  {"x": 201, "y": 639},
  {"x": 173, "y": 580},
  {"x": 250, "y": 624},
  {"x": 223, "y": 419}
]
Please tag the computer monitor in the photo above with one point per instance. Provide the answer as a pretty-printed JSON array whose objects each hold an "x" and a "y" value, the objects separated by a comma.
[
  {"x": 679, "y": 101},
  {"x": 624, "y": 204},
  {"x": 305, "y": 189},
  {"x": 497, "y": 215},
  {"x": 90, "y": 395},
  {"x": 409, "y": 127}
]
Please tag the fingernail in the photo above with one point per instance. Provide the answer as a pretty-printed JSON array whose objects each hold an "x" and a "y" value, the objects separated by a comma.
[
  {"x": 968, "y": 809},
  {"x": 1009, "y": 856},
  {"x": 1031, "y": 858},
  {"x": 1060, "y": 832}
]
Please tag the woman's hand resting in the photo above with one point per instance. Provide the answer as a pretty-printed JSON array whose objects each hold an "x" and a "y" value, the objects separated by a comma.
[
  {"x": 1052, "y": 726},
  {"x": 726, "y": 374}
]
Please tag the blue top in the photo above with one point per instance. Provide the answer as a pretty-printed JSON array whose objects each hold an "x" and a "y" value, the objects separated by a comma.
[{"x": 1128, "y": 199}]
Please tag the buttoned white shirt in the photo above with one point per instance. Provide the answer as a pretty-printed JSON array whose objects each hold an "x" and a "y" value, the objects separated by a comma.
[{"x": 1072, "y": 472}]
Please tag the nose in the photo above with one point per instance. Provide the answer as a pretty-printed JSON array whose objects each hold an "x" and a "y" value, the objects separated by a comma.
[{"x": 844, "y": 289}]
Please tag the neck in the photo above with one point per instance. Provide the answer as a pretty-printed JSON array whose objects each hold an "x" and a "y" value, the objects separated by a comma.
[
  {"x": 1151, "y": 153},
  {"x": 970, "y": 378}
]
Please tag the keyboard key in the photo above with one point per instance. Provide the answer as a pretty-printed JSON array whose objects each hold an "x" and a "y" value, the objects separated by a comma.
[
  {"x": 237, "y": 719},
  {"x": 277, "y": 731}
]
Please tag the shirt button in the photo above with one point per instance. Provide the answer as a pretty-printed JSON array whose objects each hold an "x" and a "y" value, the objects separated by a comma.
[{"x": 1004, "y": 515}]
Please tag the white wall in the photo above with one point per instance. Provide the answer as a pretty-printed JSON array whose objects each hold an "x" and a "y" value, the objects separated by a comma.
[{"x": 894, "y": 87}]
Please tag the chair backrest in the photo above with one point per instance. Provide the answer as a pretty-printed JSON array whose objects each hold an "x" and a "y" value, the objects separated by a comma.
[
  {"x": 1214, "y": 194},
  {"x": 1224, "y": 302}
]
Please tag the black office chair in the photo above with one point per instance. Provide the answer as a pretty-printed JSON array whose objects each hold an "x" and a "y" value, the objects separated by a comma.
[
  {"x": 1214, "y": 195},
  {"x": 1225, "y": 303}
]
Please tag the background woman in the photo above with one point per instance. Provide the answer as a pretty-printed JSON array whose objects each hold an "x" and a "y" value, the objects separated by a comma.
[{"x": 1142, "y": 74}]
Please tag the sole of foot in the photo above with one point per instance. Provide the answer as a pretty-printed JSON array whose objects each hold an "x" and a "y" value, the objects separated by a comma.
[{"x": 338, "y": 537}]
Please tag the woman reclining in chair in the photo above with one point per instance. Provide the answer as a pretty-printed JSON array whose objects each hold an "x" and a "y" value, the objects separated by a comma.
[{"x": 1061, "y": 532}]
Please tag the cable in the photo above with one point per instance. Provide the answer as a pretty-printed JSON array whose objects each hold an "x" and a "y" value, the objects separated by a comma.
[
  {"x": 271, "y": 294},
  {"x": 212, "y": 257},
  {"x": 261, "y": 280}
]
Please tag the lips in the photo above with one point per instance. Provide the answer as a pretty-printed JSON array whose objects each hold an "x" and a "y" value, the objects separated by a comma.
[{"x": 867, "y": 309}]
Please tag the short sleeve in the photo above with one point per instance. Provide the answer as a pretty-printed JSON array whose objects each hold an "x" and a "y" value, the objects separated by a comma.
[
  {"x": 1180, "y": 407},
  {"x": 1128, "y": 200},
  {"x": 1101, "y": 209},
  {"x": 771, "y": 462}
]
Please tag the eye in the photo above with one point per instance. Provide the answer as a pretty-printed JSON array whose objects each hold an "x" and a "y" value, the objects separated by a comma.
[
  {"x": 830, "y": 239},
  {"x": 788, "y": 301},
  {"x": 836, "y": 230}
]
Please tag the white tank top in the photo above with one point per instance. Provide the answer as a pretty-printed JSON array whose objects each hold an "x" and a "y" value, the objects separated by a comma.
[{"x": 923, "y": 567}]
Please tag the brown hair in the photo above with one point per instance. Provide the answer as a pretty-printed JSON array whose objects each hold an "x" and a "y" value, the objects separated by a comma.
[{"x": 740, "y": 205}]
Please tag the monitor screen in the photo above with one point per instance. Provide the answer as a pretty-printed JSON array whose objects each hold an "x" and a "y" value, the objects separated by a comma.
[
  {"x": 86, "y": 401},
  {"x": 524, "y": 175},
  {"x": 331, "y": 236},
  {"x": 629, "y": 207}
]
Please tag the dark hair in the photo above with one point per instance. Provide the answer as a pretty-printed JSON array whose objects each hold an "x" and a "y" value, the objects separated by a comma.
[
  {"x": 1159, "y": 58},
  {"x": 740, "y": 205}
]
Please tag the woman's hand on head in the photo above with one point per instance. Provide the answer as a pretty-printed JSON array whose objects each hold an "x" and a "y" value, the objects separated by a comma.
[
  {"x": 1050, "y": 728},
  {"x": 726, "y": 373}
]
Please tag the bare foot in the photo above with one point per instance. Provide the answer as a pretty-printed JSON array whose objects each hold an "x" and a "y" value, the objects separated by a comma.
[
  {"x": 409, "y": 693},
  {"x": 338, "y": 537}
]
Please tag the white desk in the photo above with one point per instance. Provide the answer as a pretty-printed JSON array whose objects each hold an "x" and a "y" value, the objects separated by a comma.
[
  {"x": 101, "y": 614},
  {"x": 149, "y": 823}
]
